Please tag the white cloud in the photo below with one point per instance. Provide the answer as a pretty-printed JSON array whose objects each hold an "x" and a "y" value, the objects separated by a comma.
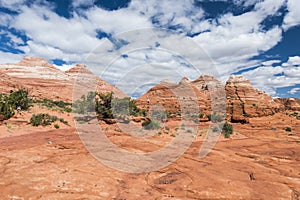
[
  {"x": 75, "y": 35},
  {"x": 293, "y": 16},
  {"x": 12, "y": 4},
  {"x": 270, "y": 78},
  {"x": 9, "y": 57},
  {"x": 64, "y": 67},
  {"x": 116, "y": 21},
  {"x": 182, "y": 14},
  {"x": 78, "y": 3},
  {"x": 230, "y": 40},
  {"x": 271, "y": 62},
  {"x": 294, "y": 60},
  {"x": 294, "y": 91}
]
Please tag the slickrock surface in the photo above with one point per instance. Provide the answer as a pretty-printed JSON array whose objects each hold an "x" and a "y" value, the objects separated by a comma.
[{"x": 258, "y": 162}]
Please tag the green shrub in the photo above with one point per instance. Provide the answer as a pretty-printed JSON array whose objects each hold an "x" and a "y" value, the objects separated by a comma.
[
  {"x": 45, "y": 120},
  {"x": 85, "y": 104},
  {"x": 56, "y": 126},
  {"x": 227, "y": 130},
  {"x": 19, "y": 99},
  {"x": 106, "y": 106},
  {"x": 288, "y": 129},
  {"x": 13, "y": 101},
  {"x": 63, "y": 106},
  {"x": 216, "y": 129},
  {"x": 215, "y": 117},
  {"x": 41, "y": 119},
  {"x": 63, "y": 121},
  {"x": 6, "y": 110},
  {"x": 151, "y": 124}
]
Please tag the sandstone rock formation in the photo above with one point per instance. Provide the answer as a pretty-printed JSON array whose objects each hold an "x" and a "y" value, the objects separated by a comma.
[
  {"x": 289, "y": 103},
  {"x": 176, "y": 97},
  {"x": 206, "y": 94},
  {"x": 243, "y": 101},
  {"x": 44, "y": 80}
]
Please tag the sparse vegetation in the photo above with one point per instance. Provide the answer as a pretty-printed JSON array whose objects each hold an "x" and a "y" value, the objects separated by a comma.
[
  {"x": 288, "y": 129},
  {"x": 85, "y": 104},
  {"x": 108, "y": 107},
  {"x": 201, "y": 115},
  {"x": 43, "y": 119},
  {"x": 215, "y": 117},
  {"x": 55, "y": 105},
  {"x": 56, "y": 126},
  {"x": 151, "y": 125},
  {"x": 216, "y": 129},
  {"x": 15, "y": 100},
  {"x": 227, "y": 130}
]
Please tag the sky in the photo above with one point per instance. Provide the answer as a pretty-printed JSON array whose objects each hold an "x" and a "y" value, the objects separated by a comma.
[{"x": 135, "y": 44}]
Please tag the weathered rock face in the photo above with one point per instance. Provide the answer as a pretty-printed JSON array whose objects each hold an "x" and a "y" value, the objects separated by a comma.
[
  {"x": 244, "y": 101},
  {"x": 289, "y": 103},
  {"x": 237, "y": 98},
  {"x": 205, "y": 93},
  {"x": 43, "y": 80},
  {"x": 211, "y": 94}
]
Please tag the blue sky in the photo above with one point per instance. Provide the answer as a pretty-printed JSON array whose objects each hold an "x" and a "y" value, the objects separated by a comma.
[{"x": 256, "y": 38}]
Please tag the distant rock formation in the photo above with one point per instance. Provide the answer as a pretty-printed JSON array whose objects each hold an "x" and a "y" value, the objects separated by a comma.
[
  {"x": 243, "y": 101},
  {"x": 237, "y": 98},
  {"x": 44, "y": 80}
]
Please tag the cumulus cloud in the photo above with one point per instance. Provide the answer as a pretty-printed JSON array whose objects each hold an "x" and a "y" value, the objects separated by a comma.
[
  {"x": 270, "y": 62},
  {"x": 269, "y": 78},
  {"x": 12, "y": 4},
  {"x": 294, "y": 91},
  {"x": 230, "y": 41},
  {"x": 237, "y": 38},
  {"x": 10, "y": 57},
  {"x": 46, "y": 27},
  {"x": 293, "y": 16},
  {"x": 180, "y": 14},
  {"x": 294, "y": 60}
]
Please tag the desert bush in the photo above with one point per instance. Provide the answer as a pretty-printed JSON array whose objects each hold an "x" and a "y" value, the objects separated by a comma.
[
  {"x": 63, "y": 106},
  {"x": 103, "y": 105},
  {"x": 216, "y": 129},
  {"x": 6, "y": 110},
  {"x": 151, "y": 125},
  {"x": 19, "y": 99},
  {"x": 107, "y": 106},
  {"x": 56, "y": 126},
  {"x": 215, "y": 117},
  {"x": 85, "y": 104},
  {"x": 288, "y": 129},
  {"x": 227, "y": 130},
  {"x": 43, "y": 119},
  {"x": 13, "y": 101}
]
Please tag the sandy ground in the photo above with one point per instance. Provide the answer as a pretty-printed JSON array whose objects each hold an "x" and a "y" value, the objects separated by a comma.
[{"x": 260, "y": 161}]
